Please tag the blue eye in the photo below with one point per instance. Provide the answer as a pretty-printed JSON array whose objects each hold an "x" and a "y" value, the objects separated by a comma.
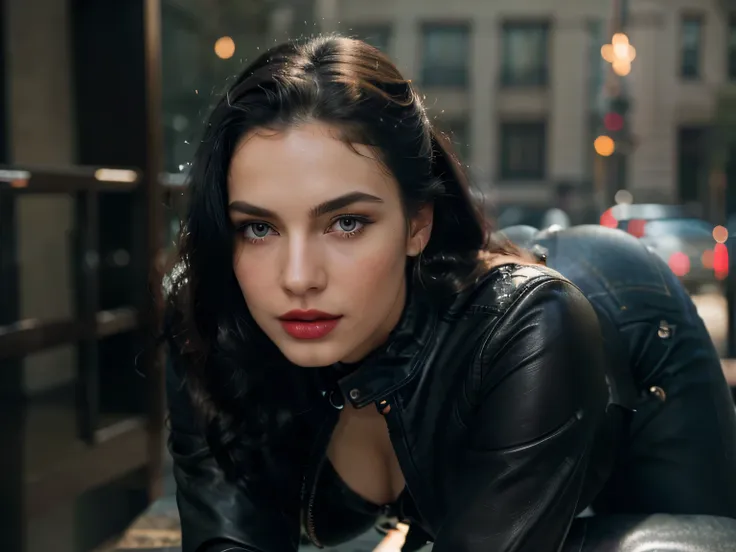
[
  {"x": 348, "y": 226},
  {"x": 256, "y": 231}
]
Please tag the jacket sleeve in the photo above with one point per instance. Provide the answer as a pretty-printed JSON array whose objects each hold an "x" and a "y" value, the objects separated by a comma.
[
  {"x": 541, "y": 397},
  {"x": 217, "y": 514}
]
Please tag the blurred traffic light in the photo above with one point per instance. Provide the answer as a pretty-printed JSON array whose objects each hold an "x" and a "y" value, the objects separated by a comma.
[
  {"x": 604, "y": 145},
  {"x": 613, "y": 132},
  {"x": 613, "y": 122}
]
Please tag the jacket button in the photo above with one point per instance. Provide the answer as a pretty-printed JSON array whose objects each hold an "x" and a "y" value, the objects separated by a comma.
[
  {"x": 658, "y": 392},
  {"x": 664, "y": 331},
  {"x": 355, "y": 394}
]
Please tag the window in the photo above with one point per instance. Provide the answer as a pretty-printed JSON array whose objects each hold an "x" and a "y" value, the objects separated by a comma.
[
  {"x": 377, "y": 35},
  {"x": 691, "y": 40},
  {"x": 458, "y": 132},
  {"x": 525, "y": 56},
  {"x": 446, "y": 52},
  {"x": 523, "y": 151},
  {"x": 732, "y": 48}
]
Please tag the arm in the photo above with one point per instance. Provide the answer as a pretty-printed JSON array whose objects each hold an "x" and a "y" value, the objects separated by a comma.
[
  {"x": 217, "y": 515},
  {"x": 542, "y": 398}
]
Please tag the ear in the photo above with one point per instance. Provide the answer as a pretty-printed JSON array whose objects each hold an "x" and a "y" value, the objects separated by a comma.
[{"x": 420, "y": 230}]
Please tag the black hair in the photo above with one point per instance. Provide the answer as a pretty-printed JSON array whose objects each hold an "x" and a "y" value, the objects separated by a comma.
[{"x": 230, "y": 367}]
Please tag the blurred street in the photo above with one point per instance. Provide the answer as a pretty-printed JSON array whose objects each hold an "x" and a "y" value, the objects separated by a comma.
[{"x": 712, "y": 308}]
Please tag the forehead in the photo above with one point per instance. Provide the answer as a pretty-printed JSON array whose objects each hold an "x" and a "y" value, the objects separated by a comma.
[{"x": 303, "y": 166}]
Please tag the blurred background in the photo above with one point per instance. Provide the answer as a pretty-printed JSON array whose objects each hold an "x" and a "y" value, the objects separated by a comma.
[{"x": 613, "y": 112}]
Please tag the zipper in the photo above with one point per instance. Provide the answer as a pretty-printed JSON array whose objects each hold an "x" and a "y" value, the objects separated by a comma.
[
  {"x": 309, "y": 488},
  {"x": 398, "y": 440}
]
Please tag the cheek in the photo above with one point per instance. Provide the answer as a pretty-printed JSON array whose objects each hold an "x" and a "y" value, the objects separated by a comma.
[
  {"x": 372, "y": 271},
  {"x": 255, "y": 278}
]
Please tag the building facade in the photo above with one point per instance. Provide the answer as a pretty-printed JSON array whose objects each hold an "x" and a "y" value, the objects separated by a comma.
[{"x": 519, "y": 85}]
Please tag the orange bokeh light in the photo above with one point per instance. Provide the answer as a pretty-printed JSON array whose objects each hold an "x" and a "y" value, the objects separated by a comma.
[
  {"x": 225, "y": 47},
  {"x": 720, "y": 234},
  {"x": 604, "y": 145}
]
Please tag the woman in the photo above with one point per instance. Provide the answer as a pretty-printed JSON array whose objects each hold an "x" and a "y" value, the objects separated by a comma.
[{"x": 348, "y": 342}]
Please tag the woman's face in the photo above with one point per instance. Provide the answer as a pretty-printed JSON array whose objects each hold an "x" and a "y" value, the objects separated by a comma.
[{"x": 321, "y": 242}]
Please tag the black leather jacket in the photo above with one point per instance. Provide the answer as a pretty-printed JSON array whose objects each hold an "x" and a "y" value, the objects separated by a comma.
[{"x": 503, "y": 417}]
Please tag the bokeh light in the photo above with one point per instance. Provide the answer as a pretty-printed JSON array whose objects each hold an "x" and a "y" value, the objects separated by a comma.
[
  {"x": 608, "y": 220},
  {"x": 679, "y": 263},
  {"x": 225, "y": 47},
  {"x": 604, "y": 145},
  {"x": 720, "y": 234},
  {"x": 623, "y": 197},
  {"x": 720, "y": 261}
]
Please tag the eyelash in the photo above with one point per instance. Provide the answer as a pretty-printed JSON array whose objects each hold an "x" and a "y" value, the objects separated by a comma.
[{"x": 360, "y": 219}]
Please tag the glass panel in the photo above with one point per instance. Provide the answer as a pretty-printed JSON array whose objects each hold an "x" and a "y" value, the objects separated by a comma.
[
  {"x": 44, "y": 244},
  {"x": 525, "y": 54},
  {"x": 523, "y": 151},
  {"x": 691, "y": 39},
  {"x": 120, "y": 275},
  {"x": 204, "y": 44},
  {"x": 51, "y": 423},
  {"x": 445, "y": 51}
]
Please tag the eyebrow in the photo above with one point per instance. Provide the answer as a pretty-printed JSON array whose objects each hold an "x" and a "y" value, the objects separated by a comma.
[{"x": 324, "y": 208}]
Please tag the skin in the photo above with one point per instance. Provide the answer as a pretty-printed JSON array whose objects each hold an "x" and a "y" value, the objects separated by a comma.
[{"x": 348, "y": 262}]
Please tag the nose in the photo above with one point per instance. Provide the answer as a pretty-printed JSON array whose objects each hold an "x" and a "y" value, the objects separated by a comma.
[{"x": 303, "y": 270}]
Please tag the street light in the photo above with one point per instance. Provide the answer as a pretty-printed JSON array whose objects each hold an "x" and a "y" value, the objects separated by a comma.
[{"x": 619, "y": 53}]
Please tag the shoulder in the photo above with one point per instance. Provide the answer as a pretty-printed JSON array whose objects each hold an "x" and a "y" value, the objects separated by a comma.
[
  {"x": 535, "y": 319},
  {"x": 505, "y": 285},
  {"x": 541, "y": 358}
]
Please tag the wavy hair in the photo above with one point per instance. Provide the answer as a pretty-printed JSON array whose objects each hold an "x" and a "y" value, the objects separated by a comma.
[{"x": 230, "y": 367}]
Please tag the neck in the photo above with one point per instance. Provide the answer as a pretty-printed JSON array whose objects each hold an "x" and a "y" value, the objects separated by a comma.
[{"x": 382, "y": 333}]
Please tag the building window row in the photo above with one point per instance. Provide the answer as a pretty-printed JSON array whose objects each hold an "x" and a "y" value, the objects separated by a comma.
[
  {"x": 525, "y": 51},
  {"x": 446, "y": 52}
]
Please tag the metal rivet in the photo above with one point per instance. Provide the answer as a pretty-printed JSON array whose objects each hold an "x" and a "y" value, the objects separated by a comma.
[
  {"x": 658, "y": 392},
  {"x": 355, "y": 394},
  {"x": 664, "y": 331},
  {"x": 336, "y": 400}
]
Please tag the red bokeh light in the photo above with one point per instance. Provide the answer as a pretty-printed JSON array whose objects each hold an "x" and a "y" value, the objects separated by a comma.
[
  {"x": 608, "y": 220},
  {"x": 613, "y": 122},
  {"x": 679, "y": 263},
  {"x": 720, "y": 261},
  {"x": 637, "y": 228}
]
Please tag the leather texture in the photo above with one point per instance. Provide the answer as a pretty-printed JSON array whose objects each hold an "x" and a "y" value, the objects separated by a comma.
[
  {"x": 512, "y": 410},
  {"x": 498, "y": 403},
  {"x": 656, "y": 533}
]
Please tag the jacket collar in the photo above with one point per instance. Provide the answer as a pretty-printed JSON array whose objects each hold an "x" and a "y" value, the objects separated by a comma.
[{"x": 399, "y": 359}]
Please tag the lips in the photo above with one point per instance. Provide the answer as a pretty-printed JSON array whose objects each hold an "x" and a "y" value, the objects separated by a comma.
[{"x": 310, "y": 324}]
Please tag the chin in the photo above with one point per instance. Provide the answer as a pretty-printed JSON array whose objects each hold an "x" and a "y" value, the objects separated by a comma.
[{"x": 311, "y": 354}]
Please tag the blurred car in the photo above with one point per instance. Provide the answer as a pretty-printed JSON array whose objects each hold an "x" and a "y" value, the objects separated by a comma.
[{"x": 693, "y": 248}]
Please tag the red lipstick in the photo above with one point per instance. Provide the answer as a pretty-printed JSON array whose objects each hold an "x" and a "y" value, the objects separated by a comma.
[{"x": 309, "y": 324}]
